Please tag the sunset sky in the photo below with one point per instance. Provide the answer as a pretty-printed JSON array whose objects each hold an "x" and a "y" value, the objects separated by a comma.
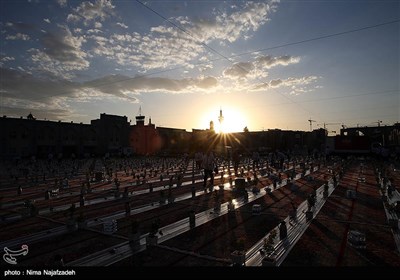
[{"x": 267, "y": 64}]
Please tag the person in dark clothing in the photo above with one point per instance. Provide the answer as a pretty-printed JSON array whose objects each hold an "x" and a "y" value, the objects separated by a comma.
[
  {"x": 236, "y": 161},
  {"x": 310, "y": 202},
  {"x": 208, "y": 165},
  {"x": 293, "y": 213},
  {"x": 282, "y": 230}
]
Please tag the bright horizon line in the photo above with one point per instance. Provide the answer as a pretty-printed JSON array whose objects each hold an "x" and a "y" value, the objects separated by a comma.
[{"x": 216, "y": 129}]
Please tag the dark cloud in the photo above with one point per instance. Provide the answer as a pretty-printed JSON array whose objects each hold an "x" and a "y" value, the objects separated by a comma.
[
  {"x": 207, "y": 82},
  {"x": 21, "y": 27},
  {"x": 240, "y": 69},
  {"x": 119, "y": 83},
  {"x": 63, "y": 46},
  {"x": 21, "y": 85}
]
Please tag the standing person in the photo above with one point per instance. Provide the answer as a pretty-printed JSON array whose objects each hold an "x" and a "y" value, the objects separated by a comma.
[
  {"x": 293, "y": 213},
  {"x": 236, "y": 160},
  {"x": 282, "y": 230},
  {"x": 310, "y": 201},
  {"x": 208, "y": 166},
  {"x": 198, "y": 159},
  {"x": 256, "y": 160}
]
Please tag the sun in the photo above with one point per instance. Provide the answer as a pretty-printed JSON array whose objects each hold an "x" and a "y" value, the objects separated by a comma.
[{"x": 233, "y": 120}]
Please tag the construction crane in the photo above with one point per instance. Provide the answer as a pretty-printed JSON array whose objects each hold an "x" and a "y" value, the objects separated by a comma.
[
  {"x": 326, "y": 130},
  {"x": 325, "y": 124},
  {"x": 311, "y": 121}
]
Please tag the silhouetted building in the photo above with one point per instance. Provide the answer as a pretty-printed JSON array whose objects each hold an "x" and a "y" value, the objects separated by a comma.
[
  {"x": 174, "y": 141},
  {"x": 112, "y": 133},
  {"x": 25, "y": 137},
  {"x": 387, "y": 135},
  {"x": 144, "y": 139}
]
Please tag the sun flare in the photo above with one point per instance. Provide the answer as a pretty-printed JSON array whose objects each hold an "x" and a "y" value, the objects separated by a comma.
[{"x": 232, "y": 120}]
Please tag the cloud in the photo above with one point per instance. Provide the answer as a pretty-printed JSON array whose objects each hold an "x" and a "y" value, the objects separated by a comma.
[
  {"x": 122, "y": 25},
  {"x": 7, "y": 58},
  {"x": 148, "y": 52},
  {"x": 232, "y": 26},
  {"x": 24, "y": 92},
  {"x": 119, "y": 84},
  {"x": 73, "y": 18},
  {"x": 88, "y": 11},
  {"x": 98, "y": 25},
  {"x": 46, "y": 20},
  {"x": 24, "y": 86},
  {"x": 61, "y": 53},
  {"x": 18, "y": 36},
  {"x": 240, "y": 69},
  {"x": 21, "y": 89},
  {"x": 91, "y": 31},
  {"x": 38, "y": 112},
  {"x": 269, "y": 61},
  {"x": 167, "y": 46},
  {"x": 258, "y": 68},
  {"x": 21, "y": 27},
  {"x": 297, "y": 85},
  {"x": 207, "y": 82},
  {"x": 4, "y": 59},
  {"x": 62, "y": 3}
]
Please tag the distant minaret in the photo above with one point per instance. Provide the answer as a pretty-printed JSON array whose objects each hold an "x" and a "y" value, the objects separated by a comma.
[
  {"x": 220, "y": 119},
  {"x": 140, "y": 118}
]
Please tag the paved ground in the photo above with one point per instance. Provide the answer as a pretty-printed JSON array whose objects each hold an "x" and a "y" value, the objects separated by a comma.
[{"x": 321, "y": 240}]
